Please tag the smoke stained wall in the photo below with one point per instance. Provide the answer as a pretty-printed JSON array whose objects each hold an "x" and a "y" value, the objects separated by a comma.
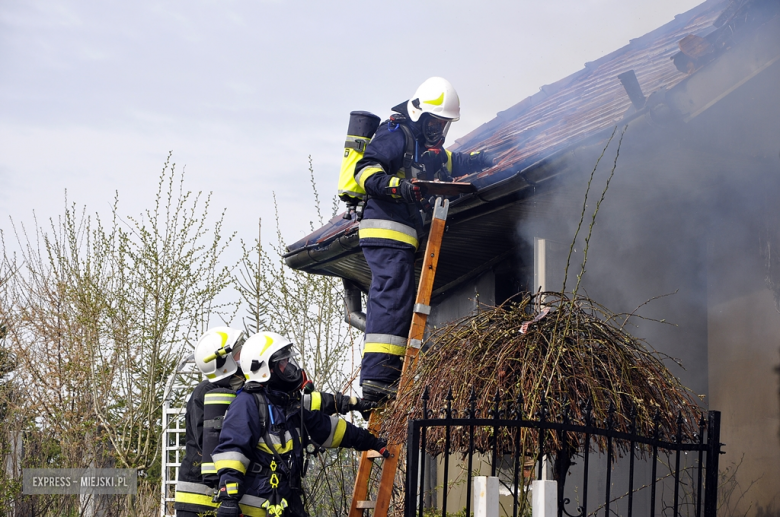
[{"x": 684, "y": 214}]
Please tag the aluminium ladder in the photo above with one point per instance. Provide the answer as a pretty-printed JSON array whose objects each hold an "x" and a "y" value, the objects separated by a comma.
[{"x": 422, "y": 309}]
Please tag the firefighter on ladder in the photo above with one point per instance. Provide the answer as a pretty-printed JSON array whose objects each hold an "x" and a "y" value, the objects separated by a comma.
[
  {"x": 392, "y": 223},
  {"x": 260, "y": 456}
]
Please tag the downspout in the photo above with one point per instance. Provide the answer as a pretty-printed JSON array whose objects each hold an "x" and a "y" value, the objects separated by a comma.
[{"x": 353, "y": 306}]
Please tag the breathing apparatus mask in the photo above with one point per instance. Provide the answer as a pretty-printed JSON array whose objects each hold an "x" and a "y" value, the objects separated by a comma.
[
  {"x": 286, "y": 375},
  {"x": 434, "y": 129}
]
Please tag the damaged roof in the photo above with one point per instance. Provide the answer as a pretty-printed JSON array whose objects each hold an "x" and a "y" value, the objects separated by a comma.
[{"x": 531, "y": 137}]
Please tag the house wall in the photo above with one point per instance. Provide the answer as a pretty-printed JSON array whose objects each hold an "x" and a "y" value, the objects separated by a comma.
[
  {"x": 744, "y": 346},
  {"x": 678, "y": 240},
  {"x": 456, "y": 484},
  {"x": 458, "y": 303},
  {"x": 463, "y": 300}
]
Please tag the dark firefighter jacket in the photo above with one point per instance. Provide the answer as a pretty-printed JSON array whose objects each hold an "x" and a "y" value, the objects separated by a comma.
[
  {"x": 245, "y": 461},
  {"x": 388, "y": 220},
  {"x": 192, "y": 494}
]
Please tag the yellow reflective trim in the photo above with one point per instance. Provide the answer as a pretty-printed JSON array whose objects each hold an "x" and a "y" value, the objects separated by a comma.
[
  {"x": 341, "y": 428},
  {"x": 281, "y": 449},
  {"x": 224, "y": 337},
  {"x": 394, "y": 181},
  {"x": 449, "y": 160},
  {"x": 393, "y": 235},
  {"x": 268, "y": 342},
  {"x": 365, "y": 173},
  {"x": 218, "y": 398},
  {"x": 276, "y": 509},
  {"x": 232, "y": 488},
  {"x": 251, "y": 511},
  {"x": 208, "y": 468},
  {"x": 316, "y": 401},
  {"x": 384, "y": 348},
  {"x": 230, "y": 464},
  {"x": 190, "y": 498},
  {"x": 436, "y": 102}
]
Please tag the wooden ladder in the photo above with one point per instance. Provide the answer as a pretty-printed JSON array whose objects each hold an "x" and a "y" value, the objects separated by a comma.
[{"x": 422, "y": 309}]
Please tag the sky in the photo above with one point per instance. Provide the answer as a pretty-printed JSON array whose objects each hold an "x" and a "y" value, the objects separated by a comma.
[{"x": 94, "y": 94}]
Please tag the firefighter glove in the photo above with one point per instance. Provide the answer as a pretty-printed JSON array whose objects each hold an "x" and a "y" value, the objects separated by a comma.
[
  {"x": 343, "y": 403},
  {"x": 482, "y": 159},
  {"x": 410, "y": 192},
  {"x": 380, "y": 446},
  {"x": 229, "y": 508},
  {"x": 358, "y": 404}
]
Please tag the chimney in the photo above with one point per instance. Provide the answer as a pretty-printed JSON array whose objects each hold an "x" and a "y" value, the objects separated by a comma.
[{"x": 633, "y": 89}]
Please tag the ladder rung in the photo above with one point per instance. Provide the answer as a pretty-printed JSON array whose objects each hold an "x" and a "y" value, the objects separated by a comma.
[{"x": 366, "y": 505}]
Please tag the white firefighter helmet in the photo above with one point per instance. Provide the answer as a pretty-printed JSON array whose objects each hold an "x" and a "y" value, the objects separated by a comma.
[
  {"x": 216, "y": 351},
  {"x": 260, "y": 353},
  {"x": 437, "y": 97}
]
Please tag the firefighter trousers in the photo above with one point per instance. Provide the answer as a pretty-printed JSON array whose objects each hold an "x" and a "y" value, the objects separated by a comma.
[{"x": 388, "y": 312}]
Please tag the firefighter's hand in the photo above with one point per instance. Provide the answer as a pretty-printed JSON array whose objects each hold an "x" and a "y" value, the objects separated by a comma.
[
  {"x": 482, "y": 159},
  {"x": 410, "y": 192},
  {"x": 426, "y": 205},
  {"x": 229, "y": 508},
  {"x": 358, "y": 404},
  {"x": 380, "y": 446}
]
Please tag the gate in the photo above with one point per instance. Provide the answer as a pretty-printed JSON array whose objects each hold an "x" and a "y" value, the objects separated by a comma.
[{"x": 684, "y": 466}]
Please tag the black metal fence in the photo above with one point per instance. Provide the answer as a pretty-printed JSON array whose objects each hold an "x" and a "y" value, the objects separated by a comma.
[{"x": 661, "y": 453}]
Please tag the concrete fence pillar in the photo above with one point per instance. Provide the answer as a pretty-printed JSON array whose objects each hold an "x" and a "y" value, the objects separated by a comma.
[
  {"x": 544, "y": 501},
  {"x": 486, "y": 496}
]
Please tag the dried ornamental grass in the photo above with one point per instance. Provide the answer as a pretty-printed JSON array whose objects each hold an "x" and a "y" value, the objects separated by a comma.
[{"x": 570, "y": 351}]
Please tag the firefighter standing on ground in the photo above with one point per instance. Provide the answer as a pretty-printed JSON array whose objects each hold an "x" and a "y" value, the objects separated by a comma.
[
  {"x": 260, "y": 456},
  {"x": 197, "y": 479},
  {"x": 392, "y": 221}
]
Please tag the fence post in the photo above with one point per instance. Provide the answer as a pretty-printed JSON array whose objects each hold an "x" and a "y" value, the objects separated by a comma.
[
  {"x": 485, "y": 496},
  {"x": 713, "y": 453},
  {"x": 544, "y": 501},
  {"x": 412, "y": 462}
]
